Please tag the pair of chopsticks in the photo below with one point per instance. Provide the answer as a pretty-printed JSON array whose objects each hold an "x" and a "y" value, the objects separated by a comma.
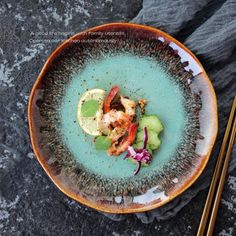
[{"x": 214, "y": 195}]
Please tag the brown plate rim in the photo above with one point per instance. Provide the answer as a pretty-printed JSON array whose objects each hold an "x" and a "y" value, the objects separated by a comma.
[{"x": 72, "y": 194}]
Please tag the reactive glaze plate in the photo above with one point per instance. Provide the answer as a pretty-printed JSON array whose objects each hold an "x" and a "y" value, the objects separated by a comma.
[{"x": 145, "y": 63}]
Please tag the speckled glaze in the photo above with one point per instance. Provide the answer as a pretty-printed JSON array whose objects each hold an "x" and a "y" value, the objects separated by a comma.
[
  {"x": 138, "y": 77},
  {"x": 134, "y": 195}
]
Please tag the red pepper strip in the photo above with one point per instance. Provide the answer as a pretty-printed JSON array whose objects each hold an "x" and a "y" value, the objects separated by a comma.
[
  {"x": 107, "y": 103},
  {"x": 126, "y": 142},
  {"x": 131, "y": 134}
]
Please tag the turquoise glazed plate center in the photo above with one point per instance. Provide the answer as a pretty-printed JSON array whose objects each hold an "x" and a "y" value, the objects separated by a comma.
[
  {"x": 137, "y": 77},
  {"x": 145, "y": 63}
]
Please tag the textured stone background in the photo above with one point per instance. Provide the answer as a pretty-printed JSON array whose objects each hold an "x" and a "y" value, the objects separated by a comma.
[{"x": 29, "y": 203}]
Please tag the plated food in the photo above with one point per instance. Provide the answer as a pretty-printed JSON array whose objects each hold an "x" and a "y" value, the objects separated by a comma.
[
  {"x": 114, "y": 121},
  {"x": 122, "y": 122}
]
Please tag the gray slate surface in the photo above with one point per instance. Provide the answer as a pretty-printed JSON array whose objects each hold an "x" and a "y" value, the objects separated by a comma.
[{"x": 29, "y": 203}]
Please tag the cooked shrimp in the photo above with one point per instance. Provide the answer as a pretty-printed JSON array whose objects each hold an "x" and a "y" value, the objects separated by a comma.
[
  {"x": 114, "y": 119},
  {"x": 117, "y": 133},
  {"x": 115, "y": 123},
  {"x": 117, "y": 149},
  {"x": 129, "y": 106}
]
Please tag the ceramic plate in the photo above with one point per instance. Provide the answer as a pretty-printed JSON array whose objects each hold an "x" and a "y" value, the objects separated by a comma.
[{"x": 145, "y": 63}]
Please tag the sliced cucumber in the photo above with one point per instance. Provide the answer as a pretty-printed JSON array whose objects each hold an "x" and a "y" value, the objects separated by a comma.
[
  {"x": 153, "y": 140},
  {"x": 152, "y": 122},
  {"x": 140, "y": 145}
]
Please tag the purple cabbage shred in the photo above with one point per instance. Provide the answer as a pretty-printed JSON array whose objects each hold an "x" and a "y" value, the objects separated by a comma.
[{"x": 140, "y": 155}]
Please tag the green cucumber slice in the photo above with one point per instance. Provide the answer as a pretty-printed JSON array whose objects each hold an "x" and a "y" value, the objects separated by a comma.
[
  {"x": 152, "y": 122},
  {"x": 153, "y": 140}
]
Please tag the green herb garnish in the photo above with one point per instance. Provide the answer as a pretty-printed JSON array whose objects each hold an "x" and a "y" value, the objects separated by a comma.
[
  {"x": 89, "y": 108},
  {"x": 102, "y": 143}
]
